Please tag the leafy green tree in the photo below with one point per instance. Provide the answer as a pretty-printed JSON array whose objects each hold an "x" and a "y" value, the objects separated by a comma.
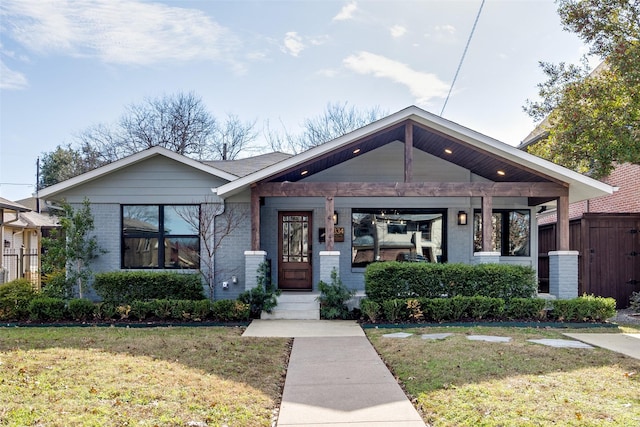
[
  {"x": 66, "y": 162},
  {"x": 68, "y": 252},
  {"x": 593, "y": 119}
]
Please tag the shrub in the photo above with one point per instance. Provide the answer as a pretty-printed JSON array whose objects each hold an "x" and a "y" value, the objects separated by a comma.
[
  {"x": 125, "y": 287},
  {"x": 106, "y": 311},
  {"x": 162, "y": 308},
  {"x": 56, "y": 285},
  {"x": 584, "y": 308},
  {"x": 394, "y": 309},
  {"x": 81, "y": 309},
  {"x": 439, "y": 309},
  {"x": 389, "y": 280},
  {"x": 333, "y": 298},
  {"x": 414, "y": 310},
  {"x": 202, "y": 309},
  {"x": 634, "y": 302},
  {"x": 141, "y": 309},
  {"x": 485, "y": 307},
  {"x": 263, "y": 297},
  {"x": 230, "y": 310},
  {"x": 526, "y": 308},
  {"x": 15, "y": 297},
  {"x": 370, "y": 309},
  {"x": 47, "y": 309}
]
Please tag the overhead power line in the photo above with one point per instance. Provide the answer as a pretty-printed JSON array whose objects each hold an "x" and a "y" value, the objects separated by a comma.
[{"x": 455, "y": 77}]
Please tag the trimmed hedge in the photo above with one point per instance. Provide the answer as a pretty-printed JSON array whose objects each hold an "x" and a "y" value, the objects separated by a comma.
[
  {"x": 15, "y": 297},
  {"x": 123, "y": 287},
  {"x": 388, "y": 280},
  {"x": 463, "y": 308}
]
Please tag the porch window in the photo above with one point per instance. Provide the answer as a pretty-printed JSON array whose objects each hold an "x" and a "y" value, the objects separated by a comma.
[
  {"x": 511, "y": 232},
  {"x": 414, "y": 235},
  {"x": 160, "y": 236}
]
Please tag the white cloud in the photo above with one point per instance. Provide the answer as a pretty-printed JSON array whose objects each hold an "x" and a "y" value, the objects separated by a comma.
[
  {"x": 448, "y": 29},
  {"x": 397, "y": 31},
  {"x": 328, "y": 72},
  {"x": 346, "y": 12},
  {"x": 10, "y": 79},
  {"x": 423, "y": 86},
  {"x": 293, "y": 44},
  {"x": 116, "y": 31}
]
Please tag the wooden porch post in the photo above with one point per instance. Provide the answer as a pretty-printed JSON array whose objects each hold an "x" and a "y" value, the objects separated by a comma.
[
  {"x": 329, "y": 227},
  {"x": 408, "y": 152},
  {"x": 255, "y": 219},
  {"x": 487, "y": 223},
  {"x": 563, "y": 223}
]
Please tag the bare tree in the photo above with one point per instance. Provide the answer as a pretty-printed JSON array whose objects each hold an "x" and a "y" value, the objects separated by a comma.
[
  {"x": 338, "y": 119},
  {"x": 215, "y": 222},
  {"x": 231, "y": 138}
]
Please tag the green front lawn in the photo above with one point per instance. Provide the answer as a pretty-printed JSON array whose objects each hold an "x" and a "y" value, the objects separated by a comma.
[
  {"x": 458, "y": 382},
  {"x": 143, "y": 377}
]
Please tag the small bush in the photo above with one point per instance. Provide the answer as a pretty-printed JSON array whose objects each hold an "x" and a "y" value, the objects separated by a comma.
[
  {"x": 47, "y": 309},
  {"x": 583, "y": 309},
  {"x": 394, "y": 309},
  {"x": 162, "y": 308},
  {"x": 634, "y": 302},
  {"x": 123, "y": 287},
  {"x": 56, "y": 285},
  {"x": 141, "y": 310},
  {"x": 439, "y": 309},
  {"x": 263, "y": 297},
  {"x": 106, "y": 311},
  {"x": 370, "y": 309},
  {"x": 201, "y": 309},
  {"x": 333, "y": 298},
  {"x": 485, "y": 307},
  {"x": 526, "y": 308},
  {"x": 81, "y": 309},
  {"x": 227, "y": 310},
  {"x": 15, "y": 297}
]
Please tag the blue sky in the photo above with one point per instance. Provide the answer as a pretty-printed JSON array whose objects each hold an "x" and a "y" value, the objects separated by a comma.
[{"x": 67, "y": 65}]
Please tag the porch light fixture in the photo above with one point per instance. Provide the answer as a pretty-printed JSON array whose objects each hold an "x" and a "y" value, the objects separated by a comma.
[
  {"x": 448, "y": 151},
  {"x": 356, "y": 151},
  {"x": 462, "y": 218},
  {"x": 335, "y": 218},
  {"x": 501, "y": 173},
  {"x": 304, "y": 172}
]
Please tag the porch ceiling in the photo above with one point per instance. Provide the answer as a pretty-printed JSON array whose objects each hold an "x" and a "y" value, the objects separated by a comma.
[{"x": 478, "y": 161}]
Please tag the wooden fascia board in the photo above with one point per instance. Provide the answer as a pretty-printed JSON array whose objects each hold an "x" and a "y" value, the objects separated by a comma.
[{"x": 411, "y": 189}]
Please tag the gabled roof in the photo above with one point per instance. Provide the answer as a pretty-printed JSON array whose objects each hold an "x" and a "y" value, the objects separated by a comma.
[
  {"x": 128, "y": 161},
  {"x": 480, "y": 154},
  {"x": 12, "y": 206},
  {"x": 31, "y": 220}
]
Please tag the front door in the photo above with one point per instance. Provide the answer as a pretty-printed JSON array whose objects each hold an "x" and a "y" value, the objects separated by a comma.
[{"x": 294, "y": 248}]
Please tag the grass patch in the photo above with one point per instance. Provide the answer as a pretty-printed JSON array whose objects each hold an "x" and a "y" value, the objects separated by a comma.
[
  {"x": 458, "y": 382},
  {"x": 144, "y": 377}
]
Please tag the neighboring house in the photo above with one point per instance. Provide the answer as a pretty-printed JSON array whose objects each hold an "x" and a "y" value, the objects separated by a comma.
[
  {"x": 604, "y": 230},
  {"x": 22, "y": 233},
  {"x": 411, "y": 186}
]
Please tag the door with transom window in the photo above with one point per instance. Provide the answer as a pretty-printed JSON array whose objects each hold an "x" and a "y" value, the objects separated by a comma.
[{"x": 294, "y": 249}]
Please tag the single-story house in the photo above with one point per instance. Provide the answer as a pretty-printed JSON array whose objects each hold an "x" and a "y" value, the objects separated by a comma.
[{"x": 411, "y": 186}]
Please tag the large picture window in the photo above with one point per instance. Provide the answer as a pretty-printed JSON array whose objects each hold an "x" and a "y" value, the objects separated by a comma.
[
  {"x": 511, "y": 232},
  {"x": 160, "y": 236},
  {"x": 412, "y": 235}
]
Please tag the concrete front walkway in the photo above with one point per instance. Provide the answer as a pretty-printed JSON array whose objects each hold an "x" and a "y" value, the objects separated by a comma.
[
  {"x": 336, "y": 378},
  {"x": 627, "y": 344}
]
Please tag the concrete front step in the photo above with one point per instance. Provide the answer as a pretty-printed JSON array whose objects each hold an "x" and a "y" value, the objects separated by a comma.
[{"x": 295, "y": 306}]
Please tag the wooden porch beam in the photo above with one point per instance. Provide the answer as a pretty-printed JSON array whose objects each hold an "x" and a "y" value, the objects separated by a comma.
[
  {"x": 255, "y": 219},
  {"x": 329, "y": 227},
  {"x": 487, "y": 223},
  {"x": 411, "y": 189},
  {"x": 408, "y": 152},
  {"x": 563, "y": 223}
]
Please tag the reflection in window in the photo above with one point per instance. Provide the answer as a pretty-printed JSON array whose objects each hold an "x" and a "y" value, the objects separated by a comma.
[
  {"x": 511, "y": 232},
  {"x": 160, "y": 236},
  {"x": 415, "y": 235}
]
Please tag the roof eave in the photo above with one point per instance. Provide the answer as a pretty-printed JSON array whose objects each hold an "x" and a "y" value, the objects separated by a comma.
[{"x": 68, "y": 184}]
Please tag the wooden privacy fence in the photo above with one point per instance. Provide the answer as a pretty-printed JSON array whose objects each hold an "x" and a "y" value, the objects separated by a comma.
[{"x": 20, "y": 263}]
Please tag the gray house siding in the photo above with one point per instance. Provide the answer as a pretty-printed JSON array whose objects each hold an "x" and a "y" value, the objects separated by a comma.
[{"x": 385, "y": 164}]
